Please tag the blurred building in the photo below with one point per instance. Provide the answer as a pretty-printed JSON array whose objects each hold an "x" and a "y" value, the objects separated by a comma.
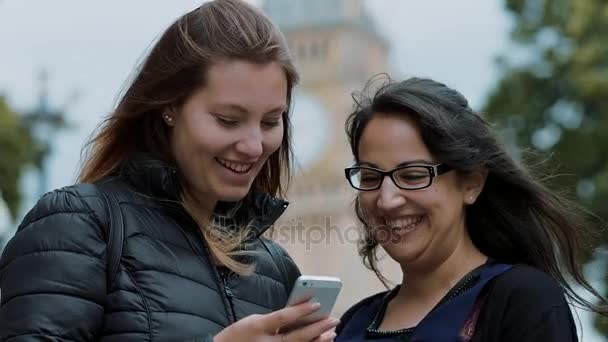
[{"x": 337, "y": 49}]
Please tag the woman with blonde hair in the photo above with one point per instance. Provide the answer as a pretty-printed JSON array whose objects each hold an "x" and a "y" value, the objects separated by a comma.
[{"x": 161, "y": 240}]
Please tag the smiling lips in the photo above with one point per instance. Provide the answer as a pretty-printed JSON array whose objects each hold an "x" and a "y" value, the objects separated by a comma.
[
  {"x": 404, "y": 224},
  {"x": 235, "y": 167}
]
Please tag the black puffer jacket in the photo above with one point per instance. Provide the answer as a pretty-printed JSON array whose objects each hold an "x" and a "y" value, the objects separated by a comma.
[{"x": 53, "y": 271}]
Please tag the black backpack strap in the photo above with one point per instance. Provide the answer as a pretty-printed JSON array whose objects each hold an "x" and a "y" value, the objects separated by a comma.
[
  {"x": 279, "y": 260},
  {"x": 115, "y": 234}
]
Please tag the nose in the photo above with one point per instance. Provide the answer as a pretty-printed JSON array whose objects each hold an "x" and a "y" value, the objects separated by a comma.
[
  {"x": 390, "y": 197},
  {"x": 251, "y": 143}
]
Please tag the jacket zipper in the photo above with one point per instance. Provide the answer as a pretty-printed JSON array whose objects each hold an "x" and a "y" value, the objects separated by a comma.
[
  {"x": 220, "y": 281},
  {"x": 229, "y": 294}
]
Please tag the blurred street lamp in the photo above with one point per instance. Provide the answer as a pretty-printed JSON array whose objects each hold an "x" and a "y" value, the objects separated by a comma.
[{"x": 44, "y": 123}]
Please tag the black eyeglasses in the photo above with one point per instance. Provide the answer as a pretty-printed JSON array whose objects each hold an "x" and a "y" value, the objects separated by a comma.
[{"x": 410, "y": 177}]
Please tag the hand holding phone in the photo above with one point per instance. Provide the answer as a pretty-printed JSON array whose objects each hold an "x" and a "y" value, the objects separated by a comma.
[
  {"x": 257, "y": 328},
  {"x": 315, "y": 289}
]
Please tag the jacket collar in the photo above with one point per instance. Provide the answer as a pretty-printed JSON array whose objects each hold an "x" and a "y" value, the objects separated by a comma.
[{"x": 161, "y": 180}]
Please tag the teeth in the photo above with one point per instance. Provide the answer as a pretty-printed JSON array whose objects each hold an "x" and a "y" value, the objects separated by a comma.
[
  {"x": 405, "y": 222},
  {"x": 236, "y": 167}
]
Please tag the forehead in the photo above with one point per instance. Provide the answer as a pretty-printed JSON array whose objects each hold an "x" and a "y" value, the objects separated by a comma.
[
  {"x": 390, "y": 139},
  {"x": 237, "y": 81}
]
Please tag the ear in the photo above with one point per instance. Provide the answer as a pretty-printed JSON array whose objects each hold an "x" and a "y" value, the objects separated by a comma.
[
  {"x": 473, "y": 185},
  {"x": 169, "y": 116}
]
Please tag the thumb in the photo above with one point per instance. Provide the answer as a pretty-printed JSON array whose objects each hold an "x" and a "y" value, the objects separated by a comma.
[{"x": 280, "y": 318}]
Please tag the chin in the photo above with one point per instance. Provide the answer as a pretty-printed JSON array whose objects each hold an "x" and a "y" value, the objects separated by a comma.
[
  {"x": 398, "y": 254},
  {"x": 232, "y": 194}
]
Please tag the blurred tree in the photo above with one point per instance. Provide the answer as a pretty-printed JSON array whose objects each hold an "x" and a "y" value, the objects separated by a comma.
[
  {"x": 555, "y": 98},
  {"x": 17, "y": 151}
]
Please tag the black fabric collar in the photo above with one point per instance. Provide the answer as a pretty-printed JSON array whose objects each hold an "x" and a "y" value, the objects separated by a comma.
[{"x": 161, "y": 180}]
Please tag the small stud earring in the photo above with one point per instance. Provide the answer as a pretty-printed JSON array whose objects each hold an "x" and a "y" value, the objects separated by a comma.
[{"x": 168, "y": 118}]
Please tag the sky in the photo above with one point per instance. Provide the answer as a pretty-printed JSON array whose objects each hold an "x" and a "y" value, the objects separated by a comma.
[{"x": 90, "y": 48}]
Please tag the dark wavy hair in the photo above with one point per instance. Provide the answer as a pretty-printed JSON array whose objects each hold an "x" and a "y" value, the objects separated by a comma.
[{"x": 516, "y": 219}]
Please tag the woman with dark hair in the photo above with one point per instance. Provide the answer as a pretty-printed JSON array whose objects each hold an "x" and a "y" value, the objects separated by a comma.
[
  {"x": 161, "y": 240},
  {"x": 487, "y": 252}
]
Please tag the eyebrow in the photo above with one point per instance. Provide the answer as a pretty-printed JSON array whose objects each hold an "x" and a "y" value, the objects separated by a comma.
[
  {"x": 242, "y": 110},
  {"x": 407, "y": 163}
]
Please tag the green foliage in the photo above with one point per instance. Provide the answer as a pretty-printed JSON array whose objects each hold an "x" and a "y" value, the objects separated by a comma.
[
  {"x": 17, "y": 151},
  {"x": 561, "y": 92}
]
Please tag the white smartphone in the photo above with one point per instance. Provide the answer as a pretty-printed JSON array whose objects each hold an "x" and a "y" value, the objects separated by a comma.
[{"x": 316, "y": 289}]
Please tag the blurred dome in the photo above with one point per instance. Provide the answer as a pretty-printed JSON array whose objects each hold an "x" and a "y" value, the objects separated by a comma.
[{"x": 310, "y": 129}]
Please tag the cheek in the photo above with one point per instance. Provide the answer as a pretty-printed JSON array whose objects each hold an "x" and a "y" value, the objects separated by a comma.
[
  {"x": 272, "y": 140},
  {"x": 444, "y": 208},
  {"x": 444, "y": 199},
  {"x": 203, "y": 136}
]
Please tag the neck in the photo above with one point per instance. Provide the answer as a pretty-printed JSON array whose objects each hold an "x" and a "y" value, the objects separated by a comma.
[
  {"x": 436, "y": 277},
  {"x": 200, "y": 207}
]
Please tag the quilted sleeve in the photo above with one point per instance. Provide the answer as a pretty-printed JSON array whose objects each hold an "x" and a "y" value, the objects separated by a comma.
[{"x": 52, "y": 272}]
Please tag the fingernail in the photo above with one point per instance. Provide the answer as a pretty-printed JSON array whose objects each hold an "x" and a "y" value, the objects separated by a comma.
[
  {"x": 316, "y": 305},
  {"x": 335, "y": 321},
  {"x": 330, "y": 337}
]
